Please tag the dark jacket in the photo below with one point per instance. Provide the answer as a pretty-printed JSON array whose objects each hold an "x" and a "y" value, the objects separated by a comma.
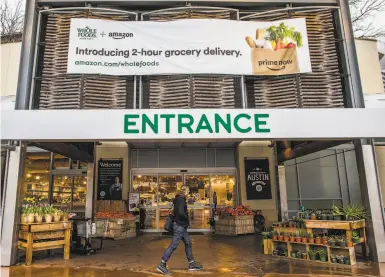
[{"x": 180, "y": 211}]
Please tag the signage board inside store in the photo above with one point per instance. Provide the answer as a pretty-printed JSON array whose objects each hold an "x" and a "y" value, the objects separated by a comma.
[
  {"x": 192, "y": 124},
  {"x": 188, "y": 46}
]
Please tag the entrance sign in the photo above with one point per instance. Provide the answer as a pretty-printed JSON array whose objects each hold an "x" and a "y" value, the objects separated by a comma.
[
  {"x": 192, "y": 124},
  {"x": 188, "y": 46},
  {"x": 258, "y": 179},
  {"x": 110, "y": 174}
]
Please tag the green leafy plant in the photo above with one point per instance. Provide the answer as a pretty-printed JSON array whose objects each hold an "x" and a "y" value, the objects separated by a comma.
[
  {"x": 356, "y": 236},
  {"x": 354, "y": 212},
  {"x": 283, "y": 32},
  {"x": 266, "y": 235},
  {"x": 321, "y": 253}
]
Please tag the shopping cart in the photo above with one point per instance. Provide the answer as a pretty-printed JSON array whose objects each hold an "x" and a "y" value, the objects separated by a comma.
[{"x": 84, "y": 230}]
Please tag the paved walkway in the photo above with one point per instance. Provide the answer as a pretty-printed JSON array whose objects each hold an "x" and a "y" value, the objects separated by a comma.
[{"x": 221, "y": 257}]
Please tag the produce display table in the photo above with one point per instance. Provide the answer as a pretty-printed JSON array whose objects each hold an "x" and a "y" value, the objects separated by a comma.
[
  {"x": 312, "y": 225},
  {"x": 44, "y": 236},
  {"x": 235, "y": 225}
]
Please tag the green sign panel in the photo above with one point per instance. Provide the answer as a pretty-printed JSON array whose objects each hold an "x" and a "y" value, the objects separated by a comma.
[{"x": 196, "y": 124}]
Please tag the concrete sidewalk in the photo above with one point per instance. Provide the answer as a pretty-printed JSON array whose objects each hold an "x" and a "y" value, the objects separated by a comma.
[{"x": 221, "y": 256}]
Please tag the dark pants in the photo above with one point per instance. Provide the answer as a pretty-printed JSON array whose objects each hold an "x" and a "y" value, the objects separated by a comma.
[{"x": 179, "y": 233}]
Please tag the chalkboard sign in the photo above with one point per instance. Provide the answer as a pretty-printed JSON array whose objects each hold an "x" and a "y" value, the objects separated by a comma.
[
  {"x": 258, "y": 181},
  {"x": 110, "y": 179}
]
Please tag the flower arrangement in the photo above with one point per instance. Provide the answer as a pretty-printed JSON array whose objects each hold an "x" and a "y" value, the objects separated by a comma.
[
  {"x": 32, "y": 211},
  {"x": 235, "y": 211}
]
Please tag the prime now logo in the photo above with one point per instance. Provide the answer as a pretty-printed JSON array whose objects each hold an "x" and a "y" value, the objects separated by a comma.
[{"x": 195, "y": 124}]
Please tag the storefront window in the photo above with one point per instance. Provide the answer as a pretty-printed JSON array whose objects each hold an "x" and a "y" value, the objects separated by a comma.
[
  {"x": 223, "y": 189},
  {"x": 60, "y": 162},
  {"x": 79, "y": 193},
  {"x": 62, "y": 192},
  {"x": 36, "y": 176},
  {"x": 147, "y": 186}
]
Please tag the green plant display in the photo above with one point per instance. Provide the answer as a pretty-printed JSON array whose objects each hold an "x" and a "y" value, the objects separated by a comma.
[{"x": 354, "y": 212}]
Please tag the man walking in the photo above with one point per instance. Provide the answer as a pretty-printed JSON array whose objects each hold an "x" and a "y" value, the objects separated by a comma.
[{"x": 180, "y": 225}]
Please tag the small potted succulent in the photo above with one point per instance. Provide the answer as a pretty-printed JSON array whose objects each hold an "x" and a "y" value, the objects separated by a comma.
[
  {"x": 333, "y": 258},
  {"x": 354, "y": 212},
  {"x": 312, "y": 254},
  {"x": 347, "y": 260},
  {"x": 286, "y": 237},
  {"x": 285, "y": 252},
  {"x": 293, "y": 254},
  {"x": 313, "y": 216},
  {"x": 298, "y": 237},
  {"x": 340, "y": 259},
  {"x": 280, "y": 237},
  {"x": 304, "y": 237},
  {"x": 356, "y": 237},
  {"x": 318, "y": 240},
  {"x": 292, "y": 238},
  {"x": 322, "y": 255},
  {"x": 325, "y": 240},
  {"x": 39, "y": 213},
  {"x": 332, "y": 241},
  {"x": 342, "y": 241},
  {"x": 304, "y": 255},
  {"x": 349, "y": 243},
  {"x": 275, "y": 235},
  {"x": 337, "y": 213},
  {"x": 311, "y": 238}
]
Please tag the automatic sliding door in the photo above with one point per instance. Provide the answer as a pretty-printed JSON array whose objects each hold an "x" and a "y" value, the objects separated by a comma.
[
  {"x": 223, "y": 188},
  {"x": 198, "y": 200},
  {"x": 168, "y": 187},
  {"x": 147, "y": 186}
]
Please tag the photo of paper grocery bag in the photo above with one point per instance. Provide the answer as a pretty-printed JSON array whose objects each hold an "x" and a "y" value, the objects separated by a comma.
[{"x": 274, "y": 62}]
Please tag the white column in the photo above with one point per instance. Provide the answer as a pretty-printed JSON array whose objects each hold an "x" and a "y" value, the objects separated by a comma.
[
  {"x": 90, "y": 190},
  {"x": 371, "y": 197},
  {"x": 283, "y": 192},
  {"x": 11, "y": 219}
]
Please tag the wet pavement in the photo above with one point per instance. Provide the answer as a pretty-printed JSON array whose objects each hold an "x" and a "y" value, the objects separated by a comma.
[{"x": 221, "y": 256}]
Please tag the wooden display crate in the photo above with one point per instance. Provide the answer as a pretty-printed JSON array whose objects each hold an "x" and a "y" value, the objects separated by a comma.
[
  {"x": 120, "y": 229},
  {"x": 44, "y": 236},
  {"x": 235, "y": 225}
]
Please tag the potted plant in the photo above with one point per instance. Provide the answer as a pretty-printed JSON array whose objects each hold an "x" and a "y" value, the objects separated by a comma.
[
  {"x": 39, "y": 212},
  {"x": 349, "y": 243},
  {"x": 286, "y": 237},
  {"x": 29, "y": 212},
  {"x": 313, "y": 216},
  {"x": 297, "y": 237},
  {"x": 342, "y": 241},
  {"x": 347, "y": 260},
  {"x": 48, "y": 212},
  {"x": 337, "y": 212},
  {"x": 325, "y": 240},
  {"x": 275, "y": 235},
  {"x": 311, "y": 238},
  {"x": 340, "y": 259},
  {"x": 324, "y": 216},
  {"x": 356, "y": 237},
  {"x": 333, "y": 258},
  {"x": 304, "y": 255},
  {"x": 312, "y": 254},
  {"x": 354, "y": 212},
  {"x": 285, "y": 252},
  {"x": 280, "y": 237},
  {"x": 292, "y": 239},
  {"x": 318, "y": 240},
  {"x": 318, "y": 214},
  {"x": 293, "y": 254},
  {"x": 57, "y": 216},
  {"x": 65, "y": 214},
  {"x": 322, "y": 255},
  {"x": 332, "y": 241},
  {"x": 304, "y": 237}
]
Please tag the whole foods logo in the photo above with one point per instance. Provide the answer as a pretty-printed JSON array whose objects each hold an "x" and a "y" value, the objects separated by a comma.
[{"x": 87, "y": 33}]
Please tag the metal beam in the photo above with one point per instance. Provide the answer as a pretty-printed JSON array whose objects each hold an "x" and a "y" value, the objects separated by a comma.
[
  {"x": 66, "y": 150},
  {"x": 27, "y": 56}
]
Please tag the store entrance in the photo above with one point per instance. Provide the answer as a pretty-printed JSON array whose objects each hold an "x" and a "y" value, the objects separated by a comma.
[{"x": 157, "y": 190}]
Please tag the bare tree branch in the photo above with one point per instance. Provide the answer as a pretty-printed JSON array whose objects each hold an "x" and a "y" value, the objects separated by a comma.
[
  {"x": 362, "y": 12},
  {"x": 11, "y": 20}
]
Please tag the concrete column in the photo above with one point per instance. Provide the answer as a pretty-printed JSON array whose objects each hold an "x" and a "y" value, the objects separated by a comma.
[
  {"x": 371, "y": 198},
  {"x": 283, "y": 192},
  {"x": 90, "y": 190},
  {"x": 11, "y": 217}
]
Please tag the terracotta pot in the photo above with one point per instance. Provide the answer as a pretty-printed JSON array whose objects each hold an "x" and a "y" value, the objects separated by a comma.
[
  {"x": 286, "y": 239},
  {"x": 313, "y": 217},
  {"x": 30, "y": 218},
  {"x": 304, "y": 240},
  {"x": 318, "y": 241},
  {"x": 311, "y": 240},
  {"x": 48, "y": 218},
  {"x": 349, "y": 244},
  {"x": 292, "y": 239},
  {"x": 325, "y": 242},
  {"x": 298, "y": 239},
  {"x": 280, "y": 238},
  {"x": 39, "y": 219},
  {"x": 275, "y": 238}
]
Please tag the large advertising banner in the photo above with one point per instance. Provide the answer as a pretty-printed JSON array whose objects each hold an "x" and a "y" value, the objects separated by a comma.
[
  {"x": 258, "y": 179},
  {"x": 110, "y": 174},
  {"x": 188, "y": 46}
]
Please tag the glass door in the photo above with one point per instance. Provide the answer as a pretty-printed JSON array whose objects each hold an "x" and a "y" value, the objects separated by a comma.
[
  {"x": 198, "y": 200},
  {"x": 69, "y": 192},
  {"x": 168, "y": 187},
  {"x": 147, "y": 186},
  {"x": 223, "y": 190}
]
